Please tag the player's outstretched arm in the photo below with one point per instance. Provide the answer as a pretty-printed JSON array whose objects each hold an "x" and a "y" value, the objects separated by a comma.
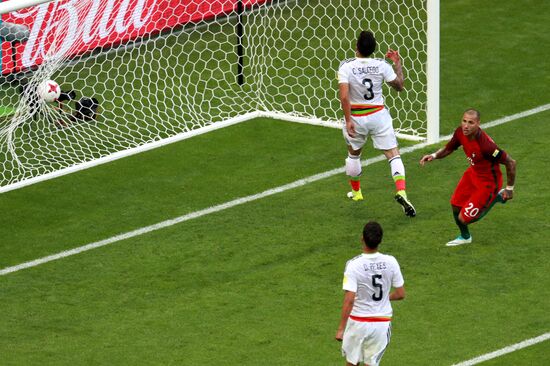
[
  {"x": 399, "y": 81},
  {"x": 439, "y": 154},
  {"x": 508, "y": 192}
]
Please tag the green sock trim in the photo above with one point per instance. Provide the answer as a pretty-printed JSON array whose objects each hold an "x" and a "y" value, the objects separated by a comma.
[{"x": 464, "y": 231}]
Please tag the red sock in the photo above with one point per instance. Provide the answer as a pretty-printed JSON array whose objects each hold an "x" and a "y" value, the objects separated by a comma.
[
  {"x": 400, "y": 184},
  {"x": 355, "y": 184}
]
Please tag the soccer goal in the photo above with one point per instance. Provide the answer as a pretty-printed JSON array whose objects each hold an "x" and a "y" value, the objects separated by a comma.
[{"x": 138, "y": 74}]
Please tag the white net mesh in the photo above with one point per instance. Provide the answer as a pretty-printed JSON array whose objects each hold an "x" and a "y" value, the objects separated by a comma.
[{"x": 158, "y": 68}]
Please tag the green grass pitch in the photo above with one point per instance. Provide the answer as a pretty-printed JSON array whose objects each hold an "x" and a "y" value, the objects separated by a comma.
[{"x": 261, "y": 282}]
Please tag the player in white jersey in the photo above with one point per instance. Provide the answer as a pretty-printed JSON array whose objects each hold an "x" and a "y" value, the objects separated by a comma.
[
  {"x": 360, "y": 83},
  {"x": 365, "y": 326}
]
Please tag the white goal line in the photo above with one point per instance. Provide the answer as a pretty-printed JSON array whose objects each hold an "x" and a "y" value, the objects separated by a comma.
[{"x": 242, "y": 200}]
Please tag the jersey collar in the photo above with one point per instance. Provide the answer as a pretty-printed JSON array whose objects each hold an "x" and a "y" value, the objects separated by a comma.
[{"x": 371, "y": 255}]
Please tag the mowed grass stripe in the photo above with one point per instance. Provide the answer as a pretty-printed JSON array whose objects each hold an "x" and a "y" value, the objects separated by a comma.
[{"x": 240, "y": 201}]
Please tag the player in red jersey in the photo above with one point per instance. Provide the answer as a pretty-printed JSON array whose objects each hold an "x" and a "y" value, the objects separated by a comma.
[{"x": 479, "y": 187}]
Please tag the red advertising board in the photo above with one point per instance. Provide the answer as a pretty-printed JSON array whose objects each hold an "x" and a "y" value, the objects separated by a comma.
[{"x": 74, "y": 27}]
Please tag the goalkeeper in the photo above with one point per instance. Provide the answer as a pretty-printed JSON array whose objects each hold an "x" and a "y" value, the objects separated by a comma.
[
  {"x": 360, "y": 84},
  {"x": 85, "y": 109}
]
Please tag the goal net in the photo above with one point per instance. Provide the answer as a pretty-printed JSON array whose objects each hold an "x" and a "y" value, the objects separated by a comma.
[{"x": 138, "y": 73}]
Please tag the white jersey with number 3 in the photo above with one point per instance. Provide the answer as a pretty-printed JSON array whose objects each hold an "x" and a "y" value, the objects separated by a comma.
[
  {"x": 365, "y": 77},
  {"x": 371, "y": 277}
]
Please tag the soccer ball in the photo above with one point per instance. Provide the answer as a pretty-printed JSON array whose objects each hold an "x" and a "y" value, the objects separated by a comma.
[{"x": 48, "y": 90}]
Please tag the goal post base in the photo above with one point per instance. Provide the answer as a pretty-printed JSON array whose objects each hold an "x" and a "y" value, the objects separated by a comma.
[
  {"x": 299, "y": 119},
  {"x": 183, "y": 136},
  {"x": 332, "y": 124}
]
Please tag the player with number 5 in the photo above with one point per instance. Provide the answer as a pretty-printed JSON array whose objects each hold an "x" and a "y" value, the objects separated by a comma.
[
  {"x": 371, "y": 281},
  {"x": 479, "y": 188}
]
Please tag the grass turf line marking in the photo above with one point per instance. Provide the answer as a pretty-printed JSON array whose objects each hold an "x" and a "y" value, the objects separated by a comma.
[
  {"x": 505, "y": 350},
  {"x": 177, "y": 220},
  {"x": 240, "y": 201}
]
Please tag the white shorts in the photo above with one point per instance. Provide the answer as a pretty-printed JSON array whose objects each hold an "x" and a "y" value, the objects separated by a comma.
[
  {"x": 365, "y": 341},
  {"x": 377, "y": 125}
]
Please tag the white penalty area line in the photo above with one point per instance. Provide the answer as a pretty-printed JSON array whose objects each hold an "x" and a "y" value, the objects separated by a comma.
[
  {"x": 505, "y": 350},
  {"x": 240, "y": 201}
]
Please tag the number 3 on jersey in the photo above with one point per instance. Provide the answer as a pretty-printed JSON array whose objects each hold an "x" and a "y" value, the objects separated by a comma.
[{"x": 369, "y": 95}]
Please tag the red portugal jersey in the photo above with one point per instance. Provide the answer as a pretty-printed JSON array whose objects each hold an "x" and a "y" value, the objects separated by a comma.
[{"x": 482, "y": 153}]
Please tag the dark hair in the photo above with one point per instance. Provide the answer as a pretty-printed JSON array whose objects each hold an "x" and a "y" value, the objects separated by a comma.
[
  {"x": 86, "y": 109},
  {"x": 473, "y": 111},
  {"x": 372, "y": 234},
  {"x": 66, "y": 96},
  {"x": 366, "y": 44}
]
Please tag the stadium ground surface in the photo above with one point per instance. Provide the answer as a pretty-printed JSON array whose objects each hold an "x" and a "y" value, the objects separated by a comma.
[
  {"x": 260, "y": 282},
  {"x": 224, "y": 277},
  {"x": 242, "y": 200}
]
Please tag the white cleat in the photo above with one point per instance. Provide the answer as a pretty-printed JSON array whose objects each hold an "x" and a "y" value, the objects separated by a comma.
[{"x": 459, "y": 241}]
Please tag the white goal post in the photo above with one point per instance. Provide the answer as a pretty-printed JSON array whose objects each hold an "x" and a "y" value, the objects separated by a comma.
[{"x": 138, "y": 74}]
